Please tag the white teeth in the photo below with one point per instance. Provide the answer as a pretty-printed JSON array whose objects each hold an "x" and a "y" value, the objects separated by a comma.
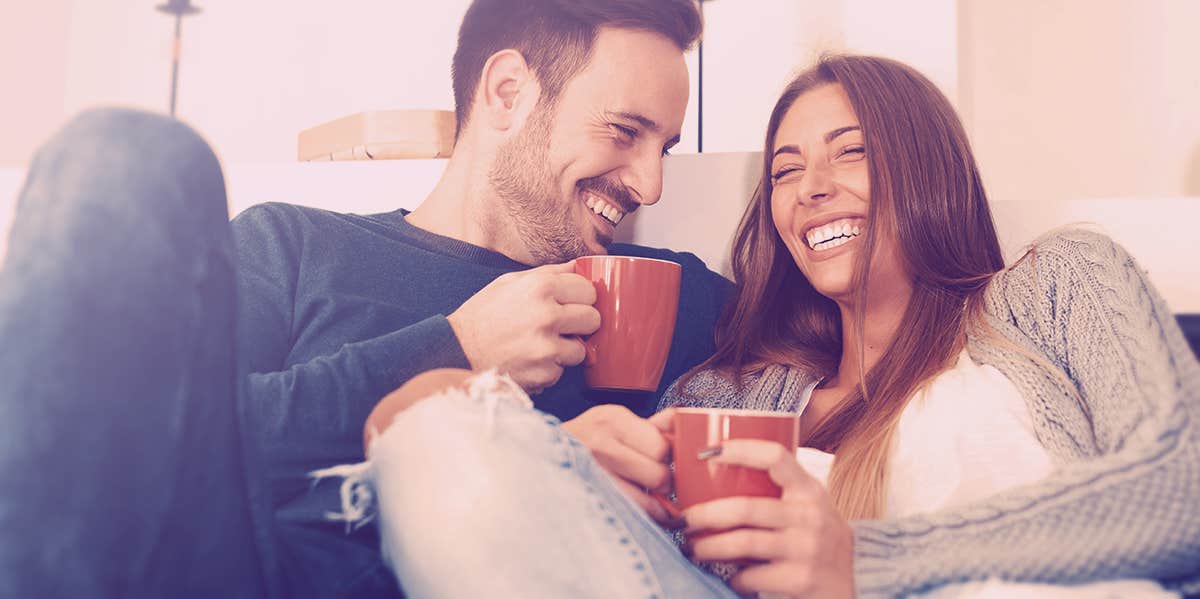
[
  {"x": 608, "y": 211},
  {"x": 833, "y": 234}
]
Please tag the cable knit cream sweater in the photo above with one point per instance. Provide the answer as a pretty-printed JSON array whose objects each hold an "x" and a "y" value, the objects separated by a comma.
[{"x": 1124, "y": 501}]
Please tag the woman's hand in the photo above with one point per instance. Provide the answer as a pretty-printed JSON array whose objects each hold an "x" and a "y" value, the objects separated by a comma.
[
  {"x": 802, "y": 545},
  {"x": 634, "y": 450}
]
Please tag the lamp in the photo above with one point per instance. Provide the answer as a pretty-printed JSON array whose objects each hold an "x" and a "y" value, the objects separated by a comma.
[{"x": 179, "y": 8}]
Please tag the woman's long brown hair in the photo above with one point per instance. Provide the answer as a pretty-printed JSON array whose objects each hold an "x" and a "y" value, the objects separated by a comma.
[{"x": 926, "y": 189}]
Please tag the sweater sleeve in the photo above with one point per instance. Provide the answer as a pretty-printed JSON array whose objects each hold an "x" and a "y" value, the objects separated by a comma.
[
  {"x": 1131, "y": 511},
  {"x": 332, "y": 392}
]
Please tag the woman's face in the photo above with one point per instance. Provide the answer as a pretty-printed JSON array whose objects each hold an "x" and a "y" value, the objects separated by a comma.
[{"x": 822, "y": 191}]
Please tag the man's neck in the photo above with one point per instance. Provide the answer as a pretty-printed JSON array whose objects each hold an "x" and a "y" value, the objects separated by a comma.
[{"x": 460, "y": 204}]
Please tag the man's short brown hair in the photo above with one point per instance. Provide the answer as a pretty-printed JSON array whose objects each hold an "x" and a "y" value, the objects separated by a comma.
[{"x": 556, "y": 37}]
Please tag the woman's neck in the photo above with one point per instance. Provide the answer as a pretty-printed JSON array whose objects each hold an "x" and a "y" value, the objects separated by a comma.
[{"x": 880, "y": 322}]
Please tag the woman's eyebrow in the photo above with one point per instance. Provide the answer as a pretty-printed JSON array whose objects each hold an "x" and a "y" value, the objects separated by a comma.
[
  {"x": 829, "y": 137},
  {"x": 832, "y": 135}
]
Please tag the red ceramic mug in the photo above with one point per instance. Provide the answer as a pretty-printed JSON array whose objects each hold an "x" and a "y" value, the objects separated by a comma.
[
  {"x": 698, "y": 480},
  {"x": 638, "y": 300}
]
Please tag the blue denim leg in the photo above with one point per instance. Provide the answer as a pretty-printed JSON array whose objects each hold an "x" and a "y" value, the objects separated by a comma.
[
  {"x": 488, "y": 497},
  {"x": 121, "y": 457}
]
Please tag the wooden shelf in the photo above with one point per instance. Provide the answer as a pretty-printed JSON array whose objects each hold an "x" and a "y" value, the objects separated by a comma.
[{"x": 380, "y": 135}]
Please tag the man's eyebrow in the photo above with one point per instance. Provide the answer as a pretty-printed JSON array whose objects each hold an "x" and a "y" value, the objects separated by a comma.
[{"x": 645, "y": 122}]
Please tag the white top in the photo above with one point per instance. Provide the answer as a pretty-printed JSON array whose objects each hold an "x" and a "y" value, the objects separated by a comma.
[{"x": 966, "y": 436}]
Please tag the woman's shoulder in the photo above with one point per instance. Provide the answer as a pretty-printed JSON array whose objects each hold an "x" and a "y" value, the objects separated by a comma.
[
  {"x": 1069, "y": 252},
  {"x": 706, "y": 388},
  {"x": 772, "y": 387},
  {"x": 1061, "y": 262}
]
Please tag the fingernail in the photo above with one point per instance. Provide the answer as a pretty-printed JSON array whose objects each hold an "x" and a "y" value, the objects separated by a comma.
[
  {"x": 709, "y": 452},
  {"x": 678, "y": 523}
]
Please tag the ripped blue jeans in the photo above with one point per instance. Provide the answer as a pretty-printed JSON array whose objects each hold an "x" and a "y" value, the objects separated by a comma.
[{"x": 478, "y": 494}]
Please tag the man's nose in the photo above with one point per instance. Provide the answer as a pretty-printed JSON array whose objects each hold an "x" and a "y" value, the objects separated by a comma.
[{"x": 644, "y": 178}]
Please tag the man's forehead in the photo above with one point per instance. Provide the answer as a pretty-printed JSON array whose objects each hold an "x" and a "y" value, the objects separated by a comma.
[{"x": 637, "y": 74}]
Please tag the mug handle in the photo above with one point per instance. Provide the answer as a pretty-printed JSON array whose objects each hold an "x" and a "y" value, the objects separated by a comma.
[{"x": 672, "y": 509}]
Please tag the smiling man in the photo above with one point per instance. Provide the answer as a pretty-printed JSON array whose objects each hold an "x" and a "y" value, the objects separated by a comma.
[
  {"x": 566, "y": 110},
  {"x": 178, "y": 379}
]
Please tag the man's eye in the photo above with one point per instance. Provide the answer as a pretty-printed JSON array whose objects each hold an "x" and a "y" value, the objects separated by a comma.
[{"x": 625, "y": 134}]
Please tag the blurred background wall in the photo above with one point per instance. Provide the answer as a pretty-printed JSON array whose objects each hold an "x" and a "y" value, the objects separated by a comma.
[
  {"x": 1079, "y": 110},
  {"x": 1063, "y": 98}
]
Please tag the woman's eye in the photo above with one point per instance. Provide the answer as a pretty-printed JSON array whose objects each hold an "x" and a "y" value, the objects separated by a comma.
[
  {"x": 853, "y": 152},
  {"x": 785, "y": 172}
]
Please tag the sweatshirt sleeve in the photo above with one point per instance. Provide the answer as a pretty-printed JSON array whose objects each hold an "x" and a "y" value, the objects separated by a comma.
[
  {"x": 334, "y": 392},
  {"x": 1131, "y": 510}
]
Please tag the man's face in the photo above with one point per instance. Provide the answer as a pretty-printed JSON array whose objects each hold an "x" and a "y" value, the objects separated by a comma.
[{"x": 575, "y": 170}]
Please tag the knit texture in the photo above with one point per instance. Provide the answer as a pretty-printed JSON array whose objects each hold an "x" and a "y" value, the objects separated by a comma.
[{"x": 1124, "y": 501}]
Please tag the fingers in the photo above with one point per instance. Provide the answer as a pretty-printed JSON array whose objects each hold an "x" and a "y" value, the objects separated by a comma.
[
  {"x": 569, "y": 351},
  {"x": 627, "y": 446},
  {"x": 780, "y": 577},
  {"x": 779, "y": 462},
  {"x": 664, "y": 421},
  {"x": 570, "y": 288},
  {"x": 734, "y": 512},
  {"x": 741, "y": 544},
  {"x": 644, "y": 437},
  {"x": 633, "y": 466},
  {"x": 536, "y": 380},
  {"x": 653, "y": 508},
  {"x": 577, "y": 319}
]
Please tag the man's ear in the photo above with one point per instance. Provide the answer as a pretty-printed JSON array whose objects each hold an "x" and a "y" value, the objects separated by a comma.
[{"x": 508, "y": 90}]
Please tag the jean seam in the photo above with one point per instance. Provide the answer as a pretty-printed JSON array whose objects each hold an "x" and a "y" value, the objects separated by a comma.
[{"x": 577, "y": 457}]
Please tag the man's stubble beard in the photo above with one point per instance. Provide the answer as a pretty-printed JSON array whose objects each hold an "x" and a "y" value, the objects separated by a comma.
[{"x": 529, "y": 194}]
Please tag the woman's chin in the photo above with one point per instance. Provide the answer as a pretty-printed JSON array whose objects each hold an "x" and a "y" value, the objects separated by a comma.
[{"x": 837, "y": 289}]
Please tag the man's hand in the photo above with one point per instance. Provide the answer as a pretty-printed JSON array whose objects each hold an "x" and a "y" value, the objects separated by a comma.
[
  {"x": 633, "y": 450},
  {"x": 525, "y": 324}
]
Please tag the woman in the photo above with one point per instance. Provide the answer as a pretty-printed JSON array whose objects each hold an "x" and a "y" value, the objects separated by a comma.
[
  {"x": 1071, "y": 351},
  {"x": 1033, "y": 424}
]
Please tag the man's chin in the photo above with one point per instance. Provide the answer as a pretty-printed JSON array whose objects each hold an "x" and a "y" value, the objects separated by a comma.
[{"x": 601, "y": 245}]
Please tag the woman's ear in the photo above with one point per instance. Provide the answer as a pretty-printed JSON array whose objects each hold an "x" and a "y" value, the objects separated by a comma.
[{"x": 508, "y": 90}]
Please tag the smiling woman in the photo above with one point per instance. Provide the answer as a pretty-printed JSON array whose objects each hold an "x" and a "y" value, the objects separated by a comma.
[
  {"x": 872, "y": 192},
  {"x": 873, "y": 299}
]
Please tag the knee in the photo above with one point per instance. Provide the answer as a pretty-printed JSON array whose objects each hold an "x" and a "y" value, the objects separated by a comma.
[
  {"x": 144, "y": 138},
  {"x": 416, "y": 389},
  {"x": 140, "y": 166}
]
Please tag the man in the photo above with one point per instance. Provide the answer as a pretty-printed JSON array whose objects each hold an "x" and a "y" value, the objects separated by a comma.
[{"x": 565, "y": 110}]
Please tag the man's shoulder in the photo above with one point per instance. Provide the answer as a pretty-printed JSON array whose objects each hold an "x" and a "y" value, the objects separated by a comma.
[
  {"x": 692, "y": 265},
  {"x": 275, "y": 223},
  {"x": 276, "y": 215}
]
